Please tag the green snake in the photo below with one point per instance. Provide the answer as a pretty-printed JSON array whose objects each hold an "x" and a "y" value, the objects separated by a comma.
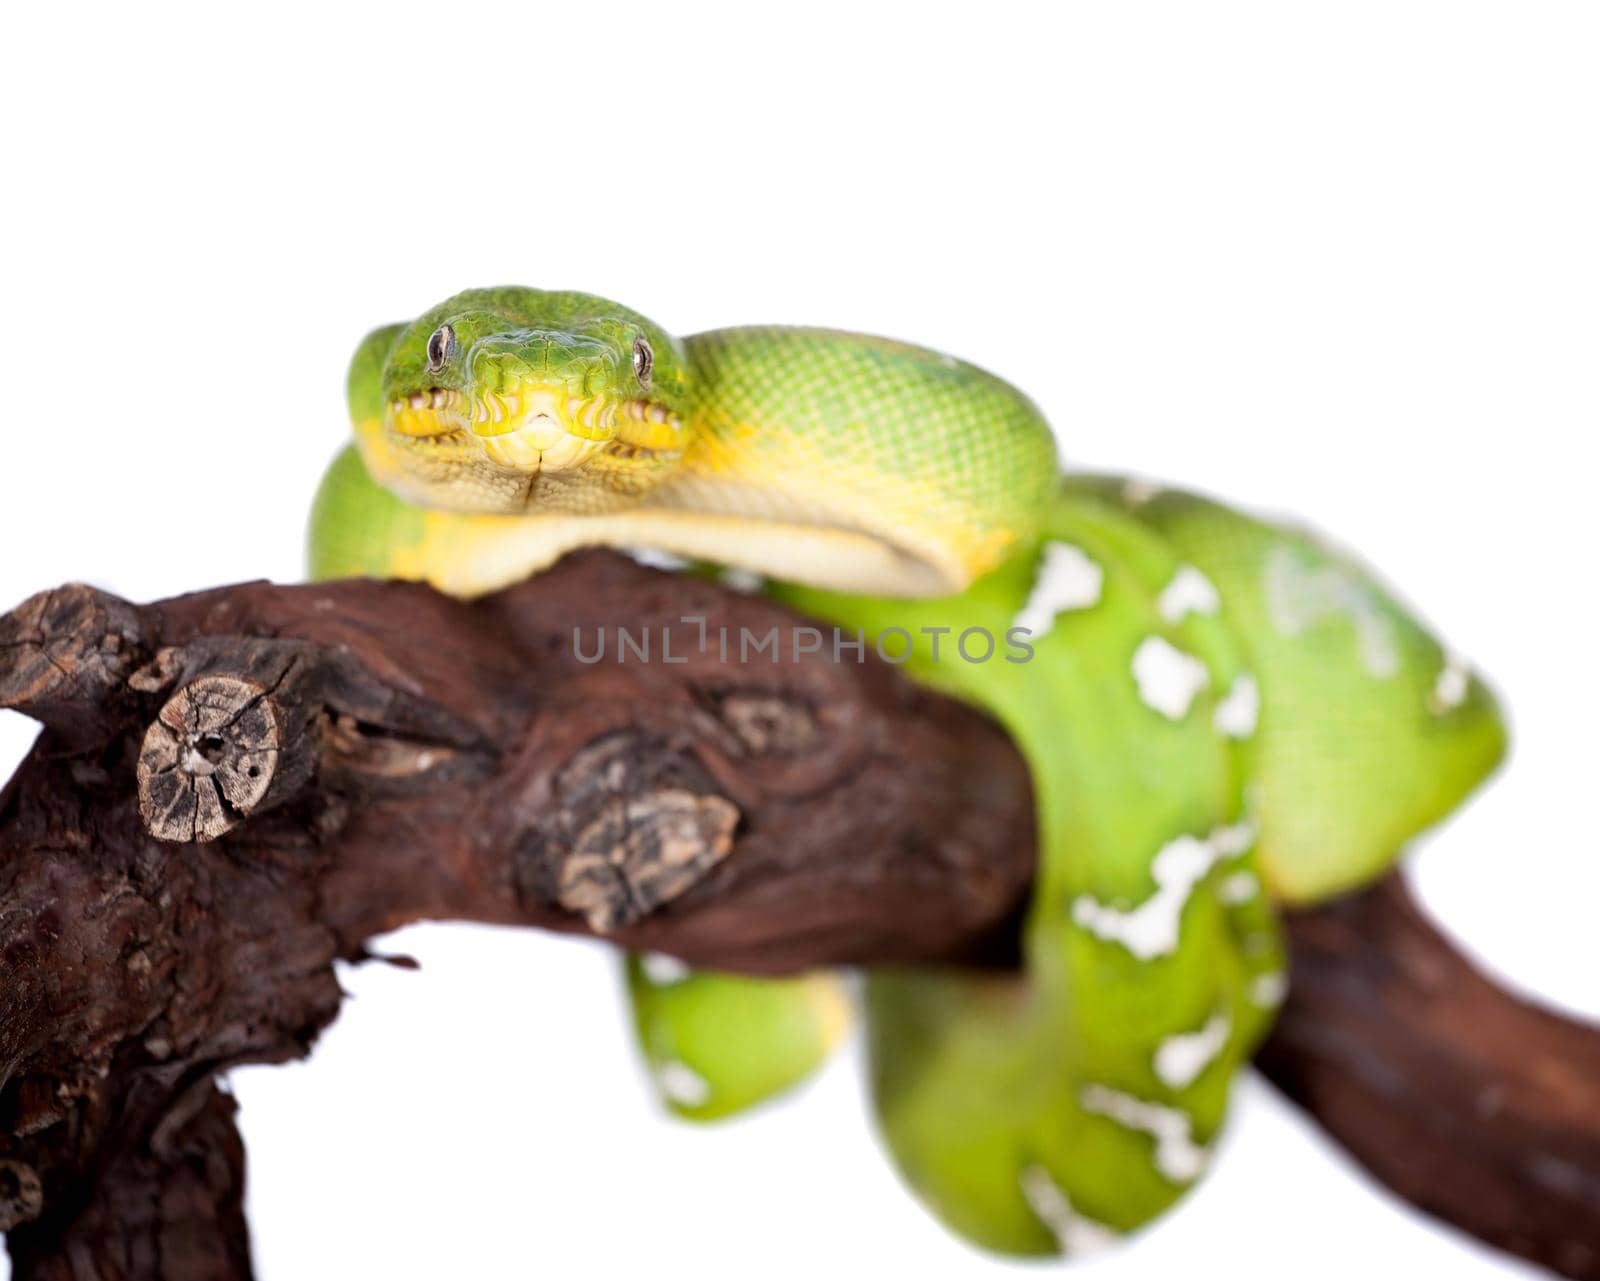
[{"x": 1218, "y": 711}]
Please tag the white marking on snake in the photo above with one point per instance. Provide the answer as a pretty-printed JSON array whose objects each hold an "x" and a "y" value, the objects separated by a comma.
[
  {"x": 1299, "y": 595},
  {"x": 1180, "y": 1059},
  {"x": 682, "y": 1084},
  {"x": 663, "y": 970},
  {"x": 1450, "y": 690},
  {"x": 1177, "y": 1156},
  {"x": 742, "y": 580},
  {"x": 655, "y": 558},
  {"x": 1234, "y": 839},
  {"x": 1241, "y": 887},
  {"x": 1168, "y": 678},
  {"x": 1067, "y": 579},
  {"x": 1268, "y": 990},
  {"x": 1189, "y": 592},
  {"x": 1136, "y": 491},
  {"x": 1240, "y": 709},
  {"x": 1152, "y": 928},
  {"x": 1077, "y": 1234}
]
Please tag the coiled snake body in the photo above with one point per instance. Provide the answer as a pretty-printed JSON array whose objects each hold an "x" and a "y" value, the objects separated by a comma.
[{"x": 1217, "y": 711}]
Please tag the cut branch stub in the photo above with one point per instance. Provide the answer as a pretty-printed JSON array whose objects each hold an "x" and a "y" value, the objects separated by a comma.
[
  {"x": 63, "y": 657},
  {"x": 208, "y": 759},
  {"x": 642, "y": 851},
  {"x": 767, "y": 724},
  {"x": 633, "y": 826}
]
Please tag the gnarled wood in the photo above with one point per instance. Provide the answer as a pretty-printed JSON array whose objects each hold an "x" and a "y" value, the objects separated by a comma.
[{"x": 165, "y": 912}]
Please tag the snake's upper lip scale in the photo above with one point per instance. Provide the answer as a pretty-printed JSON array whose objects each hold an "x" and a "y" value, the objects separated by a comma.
[
  {"x": 432, "y": 398},
  {"x": 543, "y": 410},
  {"x": 501, "y": 413},
  {"x": 432, "y": 411}
]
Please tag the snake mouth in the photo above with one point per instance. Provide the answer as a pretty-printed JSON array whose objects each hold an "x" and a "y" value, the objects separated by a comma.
[
  {"x": 535, "y": 427},
  {"x": 541, "y": 429}
]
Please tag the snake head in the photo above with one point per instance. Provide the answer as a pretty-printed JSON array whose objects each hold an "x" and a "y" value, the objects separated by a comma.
[{"x": 519, "y": 400}]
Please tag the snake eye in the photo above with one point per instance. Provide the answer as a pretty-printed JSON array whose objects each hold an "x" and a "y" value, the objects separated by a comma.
[
  {"x": 441, "y": 348},
  {"x": 644, "y": 360}
]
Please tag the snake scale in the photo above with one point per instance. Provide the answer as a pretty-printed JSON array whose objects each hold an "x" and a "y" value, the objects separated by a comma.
[{"x": 1219, "y": 712}]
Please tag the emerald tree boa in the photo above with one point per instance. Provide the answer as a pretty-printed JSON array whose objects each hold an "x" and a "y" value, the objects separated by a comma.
[{"x": 1221, "y": 713}]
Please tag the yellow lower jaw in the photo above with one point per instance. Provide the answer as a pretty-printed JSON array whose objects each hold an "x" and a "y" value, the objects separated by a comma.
[
  {"x": 421, "y": 416},
  {"x": 540, "y": 445}
]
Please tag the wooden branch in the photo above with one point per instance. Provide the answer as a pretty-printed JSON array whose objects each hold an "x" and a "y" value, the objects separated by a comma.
[
  {"x": 236, "y": 788},
  {"x": 1472, "y": 1104}
]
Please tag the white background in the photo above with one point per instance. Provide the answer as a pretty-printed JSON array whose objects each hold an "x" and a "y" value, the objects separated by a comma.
[{"x": 1338, "y": 260}]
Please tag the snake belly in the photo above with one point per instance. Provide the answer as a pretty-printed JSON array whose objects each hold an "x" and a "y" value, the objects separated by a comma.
[{"x": 1217, "y": 712}]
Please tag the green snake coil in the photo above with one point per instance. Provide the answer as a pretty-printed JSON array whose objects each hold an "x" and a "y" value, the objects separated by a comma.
[{"x": 1218, "y": 711}]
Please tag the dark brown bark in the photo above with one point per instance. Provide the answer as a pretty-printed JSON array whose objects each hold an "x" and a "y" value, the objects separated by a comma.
[
  {"x": 236, "y": 788},
  {"x": 1476, "y": 1106}
]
